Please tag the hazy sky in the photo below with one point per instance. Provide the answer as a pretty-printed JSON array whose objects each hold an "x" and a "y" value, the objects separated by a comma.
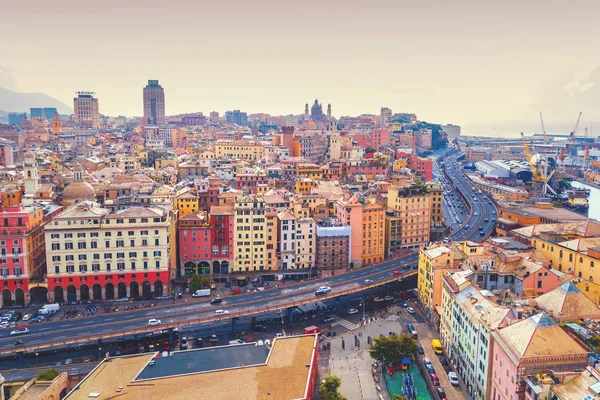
[{"x": 480, "y": 64}]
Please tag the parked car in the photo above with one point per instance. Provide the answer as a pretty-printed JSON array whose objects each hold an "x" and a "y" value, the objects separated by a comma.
[
  {"x": 164, "y": 297},
  {"x": 27, "y": 317},
  {"x": 420, "y": 349},
  {"x": 183, "y": 344},
  {"x": 434, "y": 379},
  {"x": 441, "y": 393},
  {"x": 427, "y": 362},
  {"x": 199, "y": 342},
  {"x": 453, "y": 378},
  {"x": 153, "y": 322},
  {"x": 214, "y": 339}
]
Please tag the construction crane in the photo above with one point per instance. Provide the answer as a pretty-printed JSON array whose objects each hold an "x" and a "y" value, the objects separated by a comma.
[
  {"x": 586, "y": 153},
  {"x": 563, "y": 152},
  {"x": 543, "y": 129},
  {"x": 538, "y": 166}
]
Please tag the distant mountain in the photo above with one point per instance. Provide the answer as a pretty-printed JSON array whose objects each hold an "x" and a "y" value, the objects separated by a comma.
[{"x": 11, "y": 101}]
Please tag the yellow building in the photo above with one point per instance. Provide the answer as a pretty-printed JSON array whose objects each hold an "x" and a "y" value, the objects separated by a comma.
[
  {"x": 433, "y": 261},
  {"x": 400, "y": 164},
  {"x": 437, "y": 195},
  {"x": 408, "y": 218},
  {"x": 312, "y": 171},
  {"x": 373, "y": 247},
  {"x": 187, "y": 203},
  {"x": 304, "y": 185},
  {"x": 242, "y": 149},
  {"x": 255, "y": 235}
]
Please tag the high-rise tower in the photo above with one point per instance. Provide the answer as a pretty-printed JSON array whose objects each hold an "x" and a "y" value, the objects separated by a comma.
[
  {"x": 306, "y": 110},
  {"x": 86, "y": 109},
  {"x": 329, "y": 110},
  {"x": 154, "y": 103}
]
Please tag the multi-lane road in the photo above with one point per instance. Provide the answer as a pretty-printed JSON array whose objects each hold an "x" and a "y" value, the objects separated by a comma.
[{"x": 182, "y": 312}]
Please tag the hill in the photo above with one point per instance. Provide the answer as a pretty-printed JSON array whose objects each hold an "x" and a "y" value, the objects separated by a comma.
[{"x": 11, "y": 101}]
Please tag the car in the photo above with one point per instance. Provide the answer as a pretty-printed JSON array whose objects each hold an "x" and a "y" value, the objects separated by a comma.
[
  {"x": 199, "y": 342},
  {"x": 328, "y": 319},
  {"x": 216, "y": 300},
  {"x": 221, "y": 312},
  {"x": 259, "y": 328},
  {"x": 323, "y": 290},
  {"x": 406, "y": 266},
  {"x": 420, "y": 349},
  {"x": 441, "y": 393},
  {"x": 37, "y": 319},
  {"x": 22, "y": 330},
  {"x": 164, "y": 297},
  {"x": 396, "y": 273},
  {"x": 453, "y": 378},
  {"x": 279, "y": 335},
  {"x": 431, "y": 370},
  {"x": 415, "y": 266},
  {"x": 388, "y": 298},
  {"x": 123, "y": 300},
  {"x": 377, "y": 299},
  {"x": 183, "y": 344},
  {"x": 443, "y": 361},
  {"x": 367, "y": 281},
  {"x": 213, "y": 339},
  {"x": 434, "y": 379},
  {"x": 410, "y": 310},
  {"x": 427, "y": 362},
  {"x": 352, "y": 311},
  {"x": 404, "y": 304},
  {"x": 475, "y": 213},
  {"x": 153, "y": 322},
  {"x": 27, "y": 317}
]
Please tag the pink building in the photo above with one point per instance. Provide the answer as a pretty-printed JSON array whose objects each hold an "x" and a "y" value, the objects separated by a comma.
[
  {"x": 194, "y": 233},
  {"x": 221, "y": 221},
  {"x": 349, "y": 212},
  {"x": 533, "y": 345},
  {"x": 375, "y": 139},
  {"x": 538, "y": 279},
  {"x": 423, "y": 138}
]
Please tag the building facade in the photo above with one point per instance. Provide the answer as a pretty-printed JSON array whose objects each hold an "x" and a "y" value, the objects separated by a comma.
[
  {"x": 87, "y": 112},
  {"x": 93, "y": 254},
  {"x": 154, "y": 103}
]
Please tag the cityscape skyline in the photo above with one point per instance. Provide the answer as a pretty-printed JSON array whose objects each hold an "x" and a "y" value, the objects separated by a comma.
[{"x": 465, "y": 68}]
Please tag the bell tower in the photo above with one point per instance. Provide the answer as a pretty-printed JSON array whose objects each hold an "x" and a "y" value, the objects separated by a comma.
[
  {"x": 56, "y": 125},
  {"x": 30, "y": 173}
]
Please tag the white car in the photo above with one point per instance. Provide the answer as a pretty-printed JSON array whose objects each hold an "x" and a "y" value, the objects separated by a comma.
[
  {"x": 26, "y": 317},
  {"x": 153, "y": 322},
  {"x": 453, "y": 378},
  {"x": 323, "y": 290},
  {"x": 352, "y": 311},
  {"x": 20, "y": 331},
  {"x": 410, "y": 310},
  {"x": 367, "y": 281},
  {"x": 221, "y": 312}
]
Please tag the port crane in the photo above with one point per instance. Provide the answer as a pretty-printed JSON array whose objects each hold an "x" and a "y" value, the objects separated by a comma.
[
  {"x": 571, "y": 141},
  {"x": 538, "y": 164},
  {"x": 543, "y": 129}
]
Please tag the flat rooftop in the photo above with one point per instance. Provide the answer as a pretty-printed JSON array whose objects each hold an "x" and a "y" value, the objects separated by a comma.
[{"x": 284, "y": 373}]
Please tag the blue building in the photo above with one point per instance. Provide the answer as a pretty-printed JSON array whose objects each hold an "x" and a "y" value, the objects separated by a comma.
[
  {"x": 236, "y": 117},
  {"x": 41, "y": 113},
  {"x": 16, "y": 118}
]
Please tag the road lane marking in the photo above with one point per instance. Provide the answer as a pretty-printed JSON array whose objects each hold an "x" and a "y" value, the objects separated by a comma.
[
  {"x": 109, "y": 319},
  {"x": 88, "y": 322},
  {"x": 61, "y": 337},
  {"x": 44, "y": 329}
]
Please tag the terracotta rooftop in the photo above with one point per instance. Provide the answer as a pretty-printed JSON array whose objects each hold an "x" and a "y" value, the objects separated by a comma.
[{"x": 568, "y": 303}]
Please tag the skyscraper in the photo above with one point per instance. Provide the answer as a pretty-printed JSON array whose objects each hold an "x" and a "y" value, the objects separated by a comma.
[
  {"x": 86, "y": 109},
  {"x": 236, "y": 117},
  {"x": 154, "y": 103}
]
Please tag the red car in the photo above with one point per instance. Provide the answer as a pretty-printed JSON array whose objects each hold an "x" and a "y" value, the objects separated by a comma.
[
  {"x": 434, "y": 379},
  {"x": 396, "y": 273}
]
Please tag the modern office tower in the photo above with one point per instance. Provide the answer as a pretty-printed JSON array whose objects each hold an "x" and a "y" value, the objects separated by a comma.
[
  {"x": 86, "y": 109},
  {"x": 154, "y": 103}
]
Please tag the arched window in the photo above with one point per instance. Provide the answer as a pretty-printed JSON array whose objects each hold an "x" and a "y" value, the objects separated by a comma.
[
  {"x": 570, "y": 257},
  {"x": 552, "y": 249},
  {"x": 543, "y": 245},
  {"x": 560, "y": 254},
  {"x": 581, "y": 260},
  {"x": 592, "y": 264},
  {"x": 579, "y": 274}
]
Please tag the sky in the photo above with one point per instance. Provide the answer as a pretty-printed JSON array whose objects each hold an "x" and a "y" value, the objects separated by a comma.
[{"x": 489, "y": 66}]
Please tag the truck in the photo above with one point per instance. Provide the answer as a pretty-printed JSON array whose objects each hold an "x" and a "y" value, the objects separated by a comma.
[
  {"x": 201, "y": 293},
  {"x": 49, "y": 308},
  {"x": 312, "y": 330}
]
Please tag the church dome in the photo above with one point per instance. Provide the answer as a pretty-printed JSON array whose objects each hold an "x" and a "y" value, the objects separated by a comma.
[{"x": 78, "y": 190}]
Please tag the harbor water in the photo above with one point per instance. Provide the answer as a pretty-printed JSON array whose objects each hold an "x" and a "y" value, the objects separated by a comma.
[{"x": 594, "y": 199}]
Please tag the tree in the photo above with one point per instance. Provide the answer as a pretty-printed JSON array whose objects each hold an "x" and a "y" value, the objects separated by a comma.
[
  {"x": 48, "y": 374},
  {"x": 399, "y": 397},
  {"x": 199, "y": 282},
  {"x": 392, "y": 348},
  {"x": 329, "y": 389}
]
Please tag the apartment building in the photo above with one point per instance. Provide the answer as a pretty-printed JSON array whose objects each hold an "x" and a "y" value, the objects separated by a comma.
[
  {"x": 22, "y": 251},
  {"x": 333, "y": 246},
  {"x": 409, "y": 217},
  {"x": 94, "y": 254},
  {"x": 433, "y": 261},
  {"x": 286, "y": 241},
  {"x": 306, "y": 235},
  {"x": 222, "y": 223},
  {"x": 248, "y": 150},
  {"x": 373, "y": 221},
  {"x": 195, "y": 238}
]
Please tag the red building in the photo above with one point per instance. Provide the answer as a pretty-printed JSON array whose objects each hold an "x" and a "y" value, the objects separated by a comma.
[
  {"x": 194, "y": 233},
  {"x": 421, "y": 166},
  {"x": 22, "y": 251},
  {"x": 222, "y": 222}
]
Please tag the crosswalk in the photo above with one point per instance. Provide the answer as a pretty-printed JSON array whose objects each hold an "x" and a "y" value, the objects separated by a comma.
[{"x": 343, "y": 322}]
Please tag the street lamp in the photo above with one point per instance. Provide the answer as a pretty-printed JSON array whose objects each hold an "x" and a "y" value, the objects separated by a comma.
[
  {"x": 99, "y": 353},
  {"x": 37, "y": 357},
  {"x": 362, "y": 303}
]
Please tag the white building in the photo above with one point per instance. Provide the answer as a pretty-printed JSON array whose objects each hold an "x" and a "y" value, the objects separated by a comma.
[
  {"x": 306, "y": 235},
  {"x": 286, "y": 241}
]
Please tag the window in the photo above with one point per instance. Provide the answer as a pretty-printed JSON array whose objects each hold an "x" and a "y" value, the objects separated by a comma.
[
  {"x": 132, "y": 243},
  {"x": 81, "y": 235},
  {"x": 133, "y": 265},
  {"x": 215, "y": 250},
  {"x": 107, "y": 233},
  {"x": 120, "y": 243},
  {"x": 83, "y": 268},
  {"x": 82, "y": 257},
  {"x": 133, "y": 254},
  {"x": 108, "y": 267},
  {"x": 121, "y": 266},
  {"x": 157, "y": 242},
  {"x": 68, "y": 246},
  {"x": 145, "y": 264},
  {"x": 81, "y": 245},
  {"x": 55, "y": 246},
  {"x": 120, "y": 255},
  {"x": 157, "y": 264},
  {"x": 96, "y": 256},
  {"x": 70, "y": 269},
  {"x": 157, "y": 253},
  {"x": 107, "y": 255},
  {"x": 144, "y": 242},
  {"x": 95, "y": 267},
  {"x": 130, "y": 233},
  {"x": 54, "y": 236},
  {"x": 68, "y": 235},
  {"x": 56, "y": 270},
  {"x": 55, "y": 258}
]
